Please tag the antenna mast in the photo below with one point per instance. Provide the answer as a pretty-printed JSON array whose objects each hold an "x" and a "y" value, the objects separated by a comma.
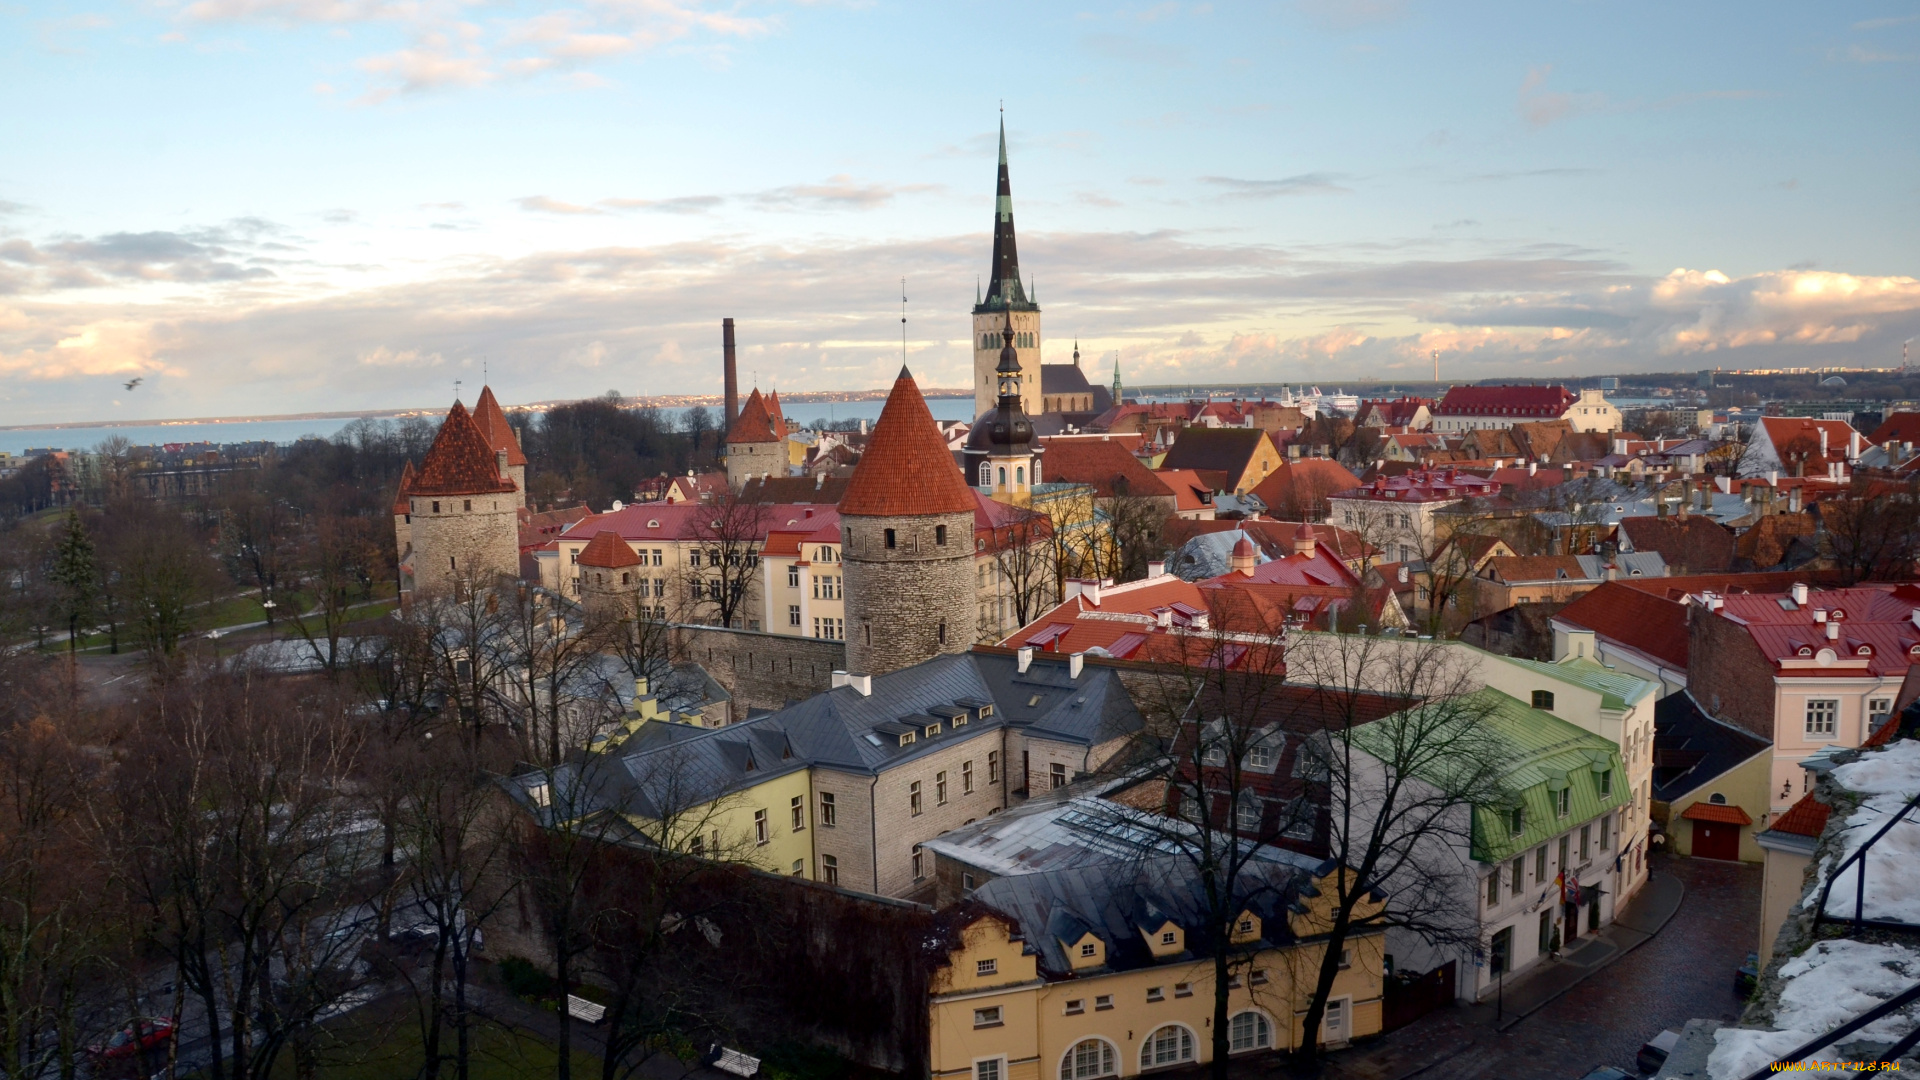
[
  {"x": 903, "y": 322},
  {"x": 1436, "y": 367}
]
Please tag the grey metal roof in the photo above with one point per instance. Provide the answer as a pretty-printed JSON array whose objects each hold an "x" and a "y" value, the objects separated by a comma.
[{"x": 1691, "y": 748}]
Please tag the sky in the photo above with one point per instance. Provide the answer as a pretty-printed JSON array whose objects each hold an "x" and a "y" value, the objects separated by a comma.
[{"x": 270, "y": 206}]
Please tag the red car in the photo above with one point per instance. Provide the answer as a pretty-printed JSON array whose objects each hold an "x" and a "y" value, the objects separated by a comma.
[{"x": 149, "y": 1033}]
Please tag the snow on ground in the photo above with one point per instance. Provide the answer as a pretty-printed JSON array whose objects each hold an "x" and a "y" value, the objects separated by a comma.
[
  {"x": 1888, "y": 777},
  {"x": 1823, "y": 988}
]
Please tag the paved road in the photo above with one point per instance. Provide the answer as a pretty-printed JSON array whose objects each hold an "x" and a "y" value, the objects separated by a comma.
[{"x": 1685, "y": 971}]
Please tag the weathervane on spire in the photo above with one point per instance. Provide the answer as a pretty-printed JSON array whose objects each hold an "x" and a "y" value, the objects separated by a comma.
[{"x": 903, "y": 322}]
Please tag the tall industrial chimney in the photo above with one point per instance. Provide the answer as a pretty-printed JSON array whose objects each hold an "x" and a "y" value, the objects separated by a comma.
[{"x": 733, "y": 374}]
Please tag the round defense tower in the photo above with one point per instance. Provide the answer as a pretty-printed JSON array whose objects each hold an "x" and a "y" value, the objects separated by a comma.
[
  {"x": 907, "y": 543},
  {"x": 463, "y": 510}
]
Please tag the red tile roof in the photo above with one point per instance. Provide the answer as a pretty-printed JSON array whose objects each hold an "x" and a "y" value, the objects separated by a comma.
[
  {"x": 1322, "y": 568},
  {"x": 1398, "y": 412},
  {"x": 1885, "y": 733},
  {"x": 1106, "y": 466},
  {"x": 1900, "y": 427},
  {"x": 907, "y": 468},
  {"x": 493, "y": 424},
  {"x": 1304, "y": 484},
  {"x": 1423, "y": 485},
  {"x": 1697, "y": 544},
  {"x": 1728, "y": 815},
  {"x": 1531, "y": 401},
  {"x": 401, "y": 503},
  {"x": 754, "y": 424},
  {"x": 1876, "y": 637},
  {"x": 1190, "y": 492},
  {"x": 1808, "y": 817},
  {"x": 1795, "y": 435},
  {"x": 1639, "y": 620},
  {"x": 538, "y": 530},
  {"x": 608, "y": 551},
  {"x": 461, "y": 461}
]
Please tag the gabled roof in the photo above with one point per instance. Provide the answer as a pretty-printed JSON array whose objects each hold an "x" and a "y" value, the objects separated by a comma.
[
  {"x": 1304, "y": 482},
  {"x": 1640, "y": 620},
  {"x": 607, "y": 551},
  {"x": 1900, "y": 427},
  {"x": 493, "y": 424},
  {"x": 1064, "y": 379},
  {"x": 1190, "y": 492},
  {"x": 819, "y": 488},
  {"x": 1808, "y": 818},
  {"x": 1226, "y": 449},
  {"x": 1695, "y": 542},
  {"x": 461, "y": 461},
  {"x": 907, "y": 468},
  {"x": 1539, "y": 402},
  {"x": 1106, "y": 465},
  {"x": 1529, "y": 569},
  {"x": 1397, "y": 412},
  {"x": 1876, "y": 634},
  {"x": 401, "y": 503},
  {"x": 754, "y": 424}
]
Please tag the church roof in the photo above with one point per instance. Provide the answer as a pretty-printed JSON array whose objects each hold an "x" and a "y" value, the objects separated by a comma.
[
  {"x": 1004, "y": 290},
  {"x": 907, "y": 468},
  {"x": 402, "y": 504},
  {"x": 1064, "y": 379},
  {"x": 493, "y": 424},
  {"x": 608, "y": 551},
  {"x": 461, "y": 461},
  {"x": 754, "y": 424}
]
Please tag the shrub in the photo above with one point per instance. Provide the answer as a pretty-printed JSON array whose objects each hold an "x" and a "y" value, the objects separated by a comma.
[{"x": 523, "y": 979}]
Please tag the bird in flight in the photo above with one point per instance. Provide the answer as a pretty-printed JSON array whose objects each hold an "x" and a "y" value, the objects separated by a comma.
[{"x": 136, "y": 382}]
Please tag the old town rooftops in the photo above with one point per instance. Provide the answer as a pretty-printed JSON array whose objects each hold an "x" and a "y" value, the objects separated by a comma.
[
  {"x": 1422, "y": 485},
  {"x": 639, "y": 522},
  {"x": 1533, "y": 401},
  {"x": 461, "y": 461},
  {"x": 607, "y": 551}
]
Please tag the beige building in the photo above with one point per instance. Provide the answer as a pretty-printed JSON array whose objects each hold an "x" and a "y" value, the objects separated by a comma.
[
  {"x": 1109, "y": 971},
  {"x": 1788, "y": 846}
]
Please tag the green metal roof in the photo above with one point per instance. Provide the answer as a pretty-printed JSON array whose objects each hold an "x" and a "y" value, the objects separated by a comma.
[
  {"x": 1616, "y": 689},
  {"x": 1543, "y": 754}
]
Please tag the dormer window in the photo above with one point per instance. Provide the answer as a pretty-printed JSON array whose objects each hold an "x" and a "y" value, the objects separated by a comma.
[
  {"x": 987, "y": 710},
  {"x": 932, "y": 730},
  {"x": 906, "y": 738},
  {"x": 1168, "y": 937},
  {"x": 1864, "y": 650},
  {"x": 1087, "y": 950},
  {"x": 1804, "y": 650}
]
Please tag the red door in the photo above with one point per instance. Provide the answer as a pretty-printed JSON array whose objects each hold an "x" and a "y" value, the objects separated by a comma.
[{"x": 1716, "y": 840}]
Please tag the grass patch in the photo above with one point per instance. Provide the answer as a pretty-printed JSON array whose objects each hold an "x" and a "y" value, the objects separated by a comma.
[{"x": 382, "y": 1042}]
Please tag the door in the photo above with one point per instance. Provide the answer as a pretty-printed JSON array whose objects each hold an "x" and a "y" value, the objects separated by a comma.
[
  {"x": 1333, "y": 1030},
  {"x": 1570, "y": 925},
  {"x": 1716, "y": 840}
]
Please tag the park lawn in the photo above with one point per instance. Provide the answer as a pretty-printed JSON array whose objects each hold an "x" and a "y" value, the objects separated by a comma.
[{"x": 382, "y": 1042}]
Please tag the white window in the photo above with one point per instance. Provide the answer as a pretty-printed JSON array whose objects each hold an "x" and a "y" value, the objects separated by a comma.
[
  {"x": 1262, "y": 755},
  {"x": 1089, "y": 1058},
  {"x": 966, "y": 778},
  {"x": 799, "y": 809},
  {"x": 990, "y": 1070},
  {"x": 913, "y": 800},
  {"x": 919, "y": 863},
  {"x": 1879, "y": 708},
  {"x": 759, "y": 826},
  {"x": 1246, "y": 814},
  {"x": 1102, "y": 1001},
  {"x": 1076, "y": 1006},
  {"x": 793, "y": 577},
  {"x": 986, "y": 967},
  {"x": 827, "y": 809},
  {"x": 1170, "y": 1045},
  {"x": 940, "y": 787},
  {"x": 1249, "y": 1031},
  {"x": 793, "y": 614},
  {"x": 987, "y": 1017},
  {"x": 1169, "y": 937},
  {"x": 1822, "y": 713},
  {"x": 1156, "y": 993},
  {"x": 1087, "y": 949}
]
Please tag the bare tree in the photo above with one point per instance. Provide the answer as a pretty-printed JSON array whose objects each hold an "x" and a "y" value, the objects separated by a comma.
[
  {"x": 555, "y": 687},
  {"x": 1024, "y": 572},
  {"x": 723, "y": 571},
  {"x": 335, "y": 567},
  {"x": 1873, "y": 530}
]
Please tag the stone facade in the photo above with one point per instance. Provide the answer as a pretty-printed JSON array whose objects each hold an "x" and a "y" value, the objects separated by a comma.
[
  {"x": 910, "y": 600},
  {"x": 986, "y": 357},
  {"x": 464, "y": 538},
  {"x": 761, "y": 671},
  {"x": 898, "y": 831},
  {"x": 750, "y": 460},
  {"x": 611, "y": 590}
]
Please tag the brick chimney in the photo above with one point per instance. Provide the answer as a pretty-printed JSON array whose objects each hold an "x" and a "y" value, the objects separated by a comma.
[
  {"x": 1244, "y": 557},
  {"x": 732, "y": 374}
]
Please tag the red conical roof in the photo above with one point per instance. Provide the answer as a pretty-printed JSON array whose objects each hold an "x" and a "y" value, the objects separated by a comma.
[
  {"x": 461, "y": 461},
  {"x": 607, "y": 551},
  {"x": 907, "y": 468},
  {"x": 755, "y": 424},
  {"x": 493, "y": 424},
  {"x": 401, "y": 503},
  {"x": 775, "y": 414}
]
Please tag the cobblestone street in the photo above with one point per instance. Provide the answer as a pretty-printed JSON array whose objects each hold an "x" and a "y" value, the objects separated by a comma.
[{"x": 1684, "y": 971}]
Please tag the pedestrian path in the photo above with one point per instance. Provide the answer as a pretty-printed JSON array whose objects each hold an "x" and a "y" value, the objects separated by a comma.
[{"x": 1640, "y": 919}]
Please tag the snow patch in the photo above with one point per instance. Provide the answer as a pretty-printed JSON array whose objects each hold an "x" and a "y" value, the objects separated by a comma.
[
  {"x": 1889, "y": 778},
  {"x": 1823, "y": 988}
]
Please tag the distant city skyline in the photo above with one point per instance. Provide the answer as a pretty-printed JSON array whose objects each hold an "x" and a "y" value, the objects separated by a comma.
[{"x": 268, "y": 206}]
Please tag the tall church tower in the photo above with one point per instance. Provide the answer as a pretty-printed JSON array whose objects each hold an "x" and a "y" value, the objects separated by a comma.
[{"x": 1005, "y": 295}]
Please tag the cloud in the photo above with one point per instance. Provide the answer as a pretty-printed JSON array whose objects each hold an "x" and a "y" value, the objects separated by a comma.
[
  {"x": 1882, "y": 24},
  {"x": 1540, "y": 107},
  {"x": 1860, "y": 54},
  {"x": 1313, "y": 183},
  {"x": 196, "y": 256},
  {"x": 542, "y": 205},
  {"x": 835, "y": 193},
  {"x": 684, "y": 204},
  {"x": 446, "y": 50},
  {"x": 9, "y": 209}
]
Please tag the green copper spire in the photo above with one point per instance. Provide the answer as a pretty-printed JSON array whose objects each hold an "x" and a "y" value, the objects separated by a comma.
[
  {"x": 1116, "y": 375},
  {"x": 1004, "y": 288}
]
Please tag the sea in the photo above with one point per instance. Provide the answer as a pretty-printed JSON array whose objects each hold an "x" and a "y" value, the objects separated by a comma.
[{"x": 20, "y": 440}]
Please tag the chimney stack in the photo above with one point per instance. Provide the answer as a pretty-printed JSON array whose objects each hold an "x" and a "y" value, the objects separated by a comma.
[{"x": 733, "y": 374}]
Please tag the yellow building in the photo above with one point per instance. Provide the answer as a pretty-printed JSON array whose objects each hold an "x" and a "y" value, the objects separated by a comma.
[{"x": 1108, "y": 971}]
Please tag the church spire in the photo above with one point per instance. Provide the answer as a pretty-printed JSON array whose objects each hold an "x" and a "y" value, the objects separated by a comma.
[
  {"x": 1004, "y": 289},
  {"x": 1116, "y": 376}
]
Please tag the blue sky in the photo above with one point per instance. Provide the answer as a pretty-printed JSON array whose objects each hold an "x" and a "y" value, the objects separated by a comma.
[{"x": 277, "y": 205}]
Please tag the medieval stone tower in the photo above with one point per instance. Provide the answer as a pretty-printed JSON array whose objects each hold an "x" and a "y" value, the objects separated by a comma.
[
  {"x": 757, "y": 442},
  {"x": 463, "y": 511},
  {"x": 609, "y": 581},
  {"x": 907, "y": 543},
  {"x": 1005, "y": 296},
  {"x": 501, "y": 436}
]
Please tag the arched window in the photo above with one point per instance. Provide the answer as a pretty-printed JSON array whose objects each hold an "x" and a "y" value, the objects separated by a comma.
[
  {"x": 1170, "y": 1045},
  {"x": 1003, "y": 476},
  {"x": 1248, "y": 1031},
  {"x": 1020, "y": 475},
  {"x": 1036, "y": 472},
  {"x": 1089, "y": 1058},
  {"x": 986, "y": 475}
]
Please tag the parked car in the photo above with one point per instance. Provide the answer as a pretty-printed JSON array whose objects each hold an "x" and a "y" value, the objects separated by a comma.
[
  {"x": 1608, "y": 1072},
  {"x": 1654, "y": 1053},
  {"x": 144, "y": 1033},
  {"x": 1747, "y": 976}
]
